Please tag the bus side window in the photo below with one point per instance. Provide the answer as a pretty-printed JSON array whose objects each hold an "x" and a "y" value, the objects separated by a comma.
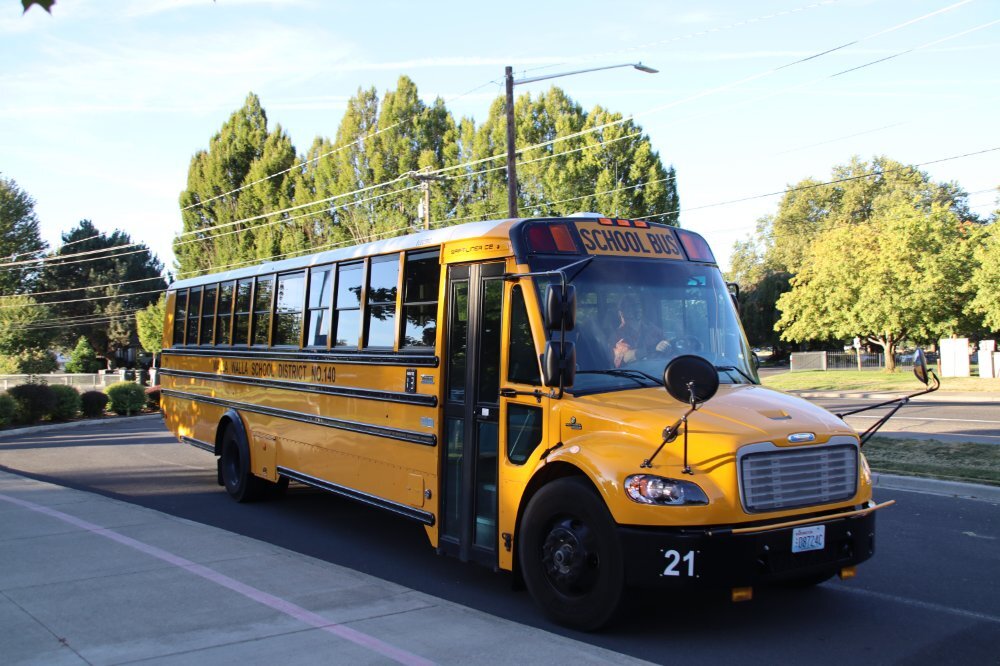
[
  {"x": 262, "y": 310},
  {"x": 194, "y": 315},
  {"x": 320, "y": 286},
  {"x": 208, "y": 315},
  {"x": 522, "y": 359},
  {"x": 241, "y": 317},
  {"x": 224, "y": 331},
  {"x": 380, "y": 310},
  {"x": 288, "y": 309},
  {"x": 420, "y": 294},
  {"x": 348, "y": 305},
  {"x": 524, "y": 431},
  {"x": 180, "y": 316}
]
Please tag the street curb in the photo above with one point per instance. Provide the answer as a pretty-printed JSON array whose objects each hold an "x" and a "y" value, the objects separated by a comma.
[
  {"x": 937, "y": 487},
  {"x": 48, "y": 427}
]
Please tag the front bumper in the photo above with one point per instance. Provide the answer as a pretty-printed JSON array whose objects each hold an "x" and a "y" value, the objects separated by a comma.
[{"x": 742, "y": 557}]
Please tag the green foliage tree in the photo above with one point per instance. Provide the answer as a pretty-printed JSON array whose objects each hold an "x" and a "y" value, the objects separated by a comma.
[
  {"x": 133, "y": 272},
  {"x": 328, "y": 195},
  {"x": 893, "y": 273},
  {"x": 149, "y": 323},
  {"x": 83, "y": 358},
  {"x": 985, "y": 280},
  {"x": 20, "y": 239}
]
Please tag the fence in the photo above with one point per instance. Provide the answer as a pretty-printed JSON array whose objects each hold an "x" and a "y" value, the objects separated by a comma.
[
  {"x": 81, "y": 381},
  {"x": 849, "y": 360}
]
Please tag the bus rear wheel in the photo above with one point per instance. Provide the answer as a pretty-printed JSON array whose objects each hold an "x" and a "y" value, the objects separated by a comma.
[
  {"x": 234, "y": 464},
  {"x": 570, "y": 555}
]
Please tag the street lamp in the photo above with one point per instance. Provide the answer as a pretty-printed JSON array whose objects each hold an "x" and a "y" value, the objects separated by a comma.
[{"x": 511, "y": 153}]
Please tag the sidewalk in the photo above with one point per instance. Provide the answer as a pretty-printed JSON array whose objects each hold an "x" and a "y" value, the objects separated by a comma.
[{"x": 87, "y": 579}]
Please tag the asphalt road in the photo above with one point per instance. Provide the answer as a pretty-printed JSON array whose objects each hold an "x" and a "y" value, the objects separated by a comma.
[{"x": 931, "y": 594}]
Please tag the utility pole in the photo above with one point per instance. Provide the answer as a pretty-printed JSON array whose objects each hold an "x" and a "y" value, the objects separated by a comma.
[
  {"x": 511, "y": 154},
  {"x": 425, "y": 186}
]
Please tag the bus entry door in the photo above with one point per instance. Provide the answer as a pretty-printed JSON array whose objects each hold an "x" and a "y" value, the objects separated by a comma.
[{"x": 471, "y": 412}]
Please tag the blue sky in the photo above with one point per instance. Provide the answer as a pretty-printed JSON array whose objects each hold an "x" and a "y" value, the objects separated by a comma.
[{"x": 103, "y": 103}]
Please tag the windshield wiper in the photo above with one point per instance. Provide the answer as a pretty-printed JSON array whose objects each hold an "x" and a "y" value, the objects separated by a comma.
[
  {"x": 731, "y": 368},
  {"x": 629, "y": 373}
]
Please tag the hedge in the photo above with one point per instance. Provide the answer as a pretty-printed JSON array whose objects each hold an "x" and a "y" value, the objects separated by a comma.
[
  {"x": 8, "y": 408},
  {"x": 92, "y": 403},
  {"x": 33, "y": 401},
  {"x": 126, "y": 398},
  {"x": 67, "y": 403}
]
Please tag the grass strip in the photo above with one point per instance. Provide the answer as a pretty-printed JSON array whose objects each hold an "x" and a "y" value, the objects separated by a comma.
[
  {"x": 871, "y": 380},
  {"x": 969, "y": 462}
]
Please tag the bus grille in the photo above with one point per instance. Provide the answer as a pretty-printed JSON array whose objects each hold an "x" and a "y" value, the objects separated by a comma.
[{"x": 788, "y": 479}]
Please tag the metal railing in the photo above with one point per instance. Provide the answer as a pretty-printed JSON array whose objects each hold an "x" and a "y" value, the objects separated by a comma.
[
  {"x": 80, "y": 381},
  {"x": 824, "y": 360}
]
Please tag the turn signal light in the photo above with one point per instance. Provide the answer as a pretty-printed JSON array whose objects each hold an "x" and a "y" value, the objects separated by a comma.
[
  {"x": 848, "y": 572},
  {"x": 742, "y": 594}
]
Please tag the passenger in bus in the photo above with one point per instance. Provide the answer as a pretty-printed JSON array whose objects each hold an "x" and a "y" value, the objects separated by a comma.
[{"x": 634, "y": 337}]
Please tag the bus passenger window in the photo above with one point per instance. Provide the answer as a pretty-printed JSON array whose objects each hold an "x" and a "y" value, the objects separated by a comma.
[
  {"x": 241, "y": 319},
  {"x": 522, "y": 360},
  {"x": 225, "y": 313},
  {"x": 383, "y": 278},
  {"x": 208, "y": 315},
  {"x": 320, "y": 285},
  {"x": 288, "y": 309},
  {"x": 524, "y": 432},
  {"x": 420, "y": 296},
  {"x": 180, "y": 315},
  {"x": 348, "y": 305},
  {"x": 262, "y": 310},
  {"x": 194, "y": 315}
]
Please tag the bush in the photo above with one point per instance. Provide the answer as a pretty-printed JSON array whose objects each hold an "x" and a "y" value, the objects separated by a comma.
[
  {"x": 126, "y": 398},
  {"x": 28, "y": 362},
  {"x": 8, "y": 408},
  {"x": 67, "y": 403},
  {"x": 153, "y": 397},
  {"x": 33, "y": 401},
  {"x": 92, "y": 403},
  {"x": 83, "y": 358}
]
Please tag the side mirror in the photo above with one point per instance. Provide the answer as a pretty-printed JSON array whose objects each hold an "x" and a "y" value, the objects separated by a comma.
[
  {"x": 559, "y": 363},
  {"x": 560, "y": 310},
  {"x": 691, "y": 379},
  {"x": 734, "y": 293},
  {"x": 920, "y": 366},
  {"x": 756, "y": 360}
]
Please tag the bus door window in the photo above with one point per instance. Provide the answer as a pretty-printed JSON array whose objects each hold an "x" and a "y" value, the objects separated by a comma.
[
  {"x": 348, "y": 306},
  {"x": 469, "y": 501},
  {"x": 380, "y": 310}
]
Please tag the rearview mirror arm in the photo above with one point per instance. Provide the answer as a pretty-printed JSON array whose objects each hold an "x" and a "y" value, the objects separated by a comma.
[
  {"x": 670, "y": 434},
  {"x": 898, "y": 402}
]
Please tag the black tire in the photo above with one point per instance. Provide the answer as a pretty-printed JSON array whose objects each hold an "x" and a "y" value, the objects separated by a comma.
[
  {"x": 240, "y": 483},
  {"x": 570, "y": 555}
]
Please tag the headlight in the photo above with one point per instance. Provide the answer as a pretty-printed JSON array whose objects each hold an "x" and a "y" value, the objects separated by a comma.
[{"x": 648, "y": 489}]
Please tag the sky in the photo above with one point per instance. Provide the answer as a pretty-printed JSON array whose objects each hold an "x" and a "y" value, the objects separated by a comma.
[{"x": 103, "y": 103}]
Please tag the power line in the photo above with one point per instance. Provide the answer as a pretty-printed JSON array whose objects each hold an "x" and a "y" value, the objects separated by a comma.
[
  {"x": 80, "y": 300},
  {"x": 69, "y": 289}
]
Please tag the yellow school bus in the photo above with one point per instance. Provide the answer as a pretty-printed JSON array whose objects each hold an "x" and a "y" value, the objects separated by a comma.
[{"x": 570, "y": 399}]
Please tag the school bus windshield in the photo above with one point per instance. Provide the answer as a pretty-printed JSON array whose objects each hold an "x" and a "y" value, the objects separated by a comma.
[{"x": 635, "y": 315}]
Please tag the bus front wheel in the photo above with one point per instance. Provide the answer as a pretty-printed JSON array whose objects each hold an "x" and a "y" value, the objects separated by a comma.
[
  {"x": 234, "y": 464},
  {"x": 570, "y": 555}
]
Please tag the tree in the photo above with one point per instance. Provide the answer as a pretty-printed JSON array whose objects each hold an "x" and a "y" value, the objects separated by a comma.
[
  {"x": 20, "y": 240},
  {"x": 985, "y": 281},
  {"x": 895, "y": 273},
  {"x": 134, "y": 276},
  {"x": 149, "y": 323},
  {"x": 83, "y": 358}
]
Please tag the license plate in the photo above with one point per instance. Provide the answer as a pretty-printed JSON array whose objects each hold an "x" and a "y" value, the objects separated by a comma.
[{"x": 808, "y": 538}]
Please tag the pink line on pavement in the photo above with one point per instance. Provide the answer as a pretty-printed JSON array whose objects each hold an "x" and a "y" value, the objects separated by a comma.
[{"x": 277, "y": 603}]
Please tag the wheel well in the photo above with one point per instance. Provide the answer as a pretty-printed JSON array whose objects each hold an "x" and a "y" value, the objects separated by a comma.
[
  {"x": 220, "y": 432},
  {"x": 548, "y": 474}
]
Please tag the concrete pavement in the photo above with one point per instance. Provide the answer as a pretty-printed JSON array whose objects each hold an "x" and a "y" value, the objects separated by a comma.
[{"x": 85, "y": 579}]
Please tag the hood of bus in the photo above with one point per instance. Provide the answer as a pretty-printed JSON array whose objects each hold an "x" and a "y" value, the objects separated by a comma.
[
  {"x": 738, "y": 414},
  {"x": 609, "y": 435}
]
